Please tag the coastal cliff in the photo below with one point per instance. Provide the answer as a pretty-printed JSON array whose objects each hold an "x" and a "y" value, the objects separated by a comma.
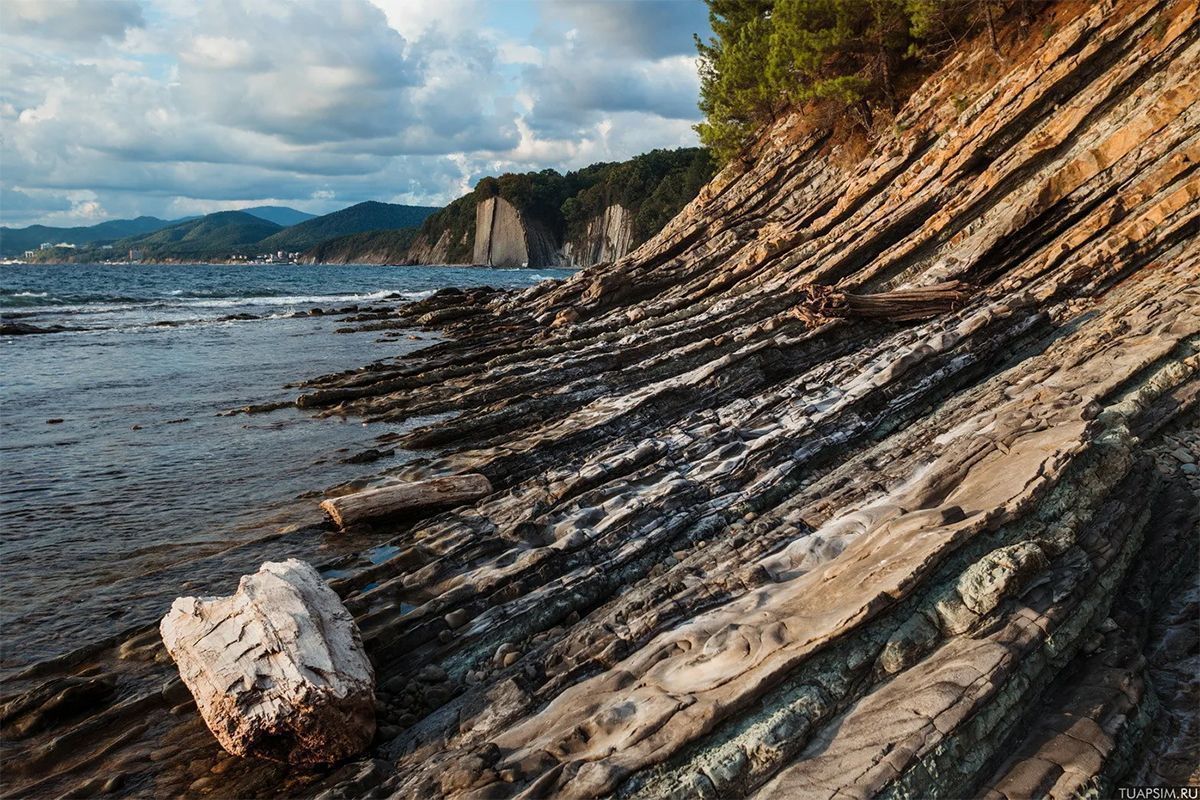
[
  {"x": 761, "y": 525},
  {"x": 607, "y": 237},
  {"x": 504, "y": 237},
  {"x": 544, "y": 219}
]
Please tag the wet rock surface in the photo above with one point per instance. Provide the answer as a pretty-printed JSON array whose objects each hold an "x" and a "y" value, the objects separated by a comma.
[{"x": 730, "y": 553}]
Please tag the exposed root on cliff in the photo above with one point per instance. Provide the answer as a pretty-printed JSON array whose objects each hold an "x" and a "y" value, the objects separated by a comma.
[{"x": 820, "y": 304}]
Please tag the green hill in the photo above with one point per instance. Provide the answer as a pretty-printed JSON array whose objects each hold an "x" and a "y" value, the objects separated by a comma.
[
  {"x": 213, "y": 235},
  {"x": 15, "y": 241},
  {"x": 280, "y": 215},
  {"x": 368, "y": 216}
]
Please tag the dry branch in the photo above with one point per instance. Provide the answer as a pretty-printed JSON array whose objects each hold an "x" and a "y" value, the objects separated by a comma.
[{"x": 823, "y": 303}]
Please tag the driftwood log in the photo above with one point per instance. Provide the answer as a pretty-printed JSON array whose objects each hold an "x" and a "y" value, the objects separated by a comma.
[
  {"x": 277, "y": 669},
  {"x": 820, "y": 304},
  {"x": 396, "y": 500}
]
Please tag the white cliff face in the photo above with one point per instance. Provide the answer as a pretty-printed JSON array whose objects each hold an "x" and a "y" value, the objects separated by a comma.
[
  {"x": 278, "y": 668},
  {"x": 500, "y": 239},
  {"x": 608, "y": 237},
  {"x": 504, "y": 237}
]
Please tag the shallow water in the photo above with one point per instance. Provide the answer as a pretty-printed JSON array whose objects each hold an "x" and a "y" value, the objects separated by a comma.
[{"x": 142, "y": 484}]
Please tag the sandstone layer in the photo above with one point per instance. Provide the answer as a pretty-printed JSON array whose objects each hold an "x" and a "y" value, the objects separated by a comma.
[{"x": 736, "y": 549}]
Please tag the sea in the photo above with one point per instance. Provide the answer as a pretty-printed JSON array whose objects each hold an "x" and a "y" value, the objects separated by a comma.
[{"x": 122, "y": 484}]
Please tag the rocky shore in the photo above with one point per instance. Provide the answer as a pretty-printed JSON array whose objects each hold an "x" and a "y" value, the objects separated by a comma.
[{"x": 738, "y": 546}]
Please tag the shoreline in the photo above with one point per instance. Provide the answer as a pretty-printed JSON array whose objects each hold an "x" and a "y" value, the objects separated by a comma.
[{"x": 133, "y": 662}]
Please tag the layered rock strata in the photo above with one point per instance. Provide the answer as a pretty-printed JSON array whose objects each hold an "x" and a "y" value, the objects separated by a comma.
[
  {"x": 504, "y": 237},
  {"x": 730, "y": 553},
  {"x": 605, "y": 238}
]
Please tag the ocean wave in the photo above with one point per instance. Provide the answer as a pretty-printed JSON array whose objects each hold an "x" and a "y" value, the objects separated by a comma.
[{"x": 101, "y": 304}]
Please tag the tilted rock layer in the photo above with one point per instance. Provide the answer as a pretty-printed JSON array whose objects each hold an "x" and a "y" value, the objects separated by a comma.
[
  {"x": 729, "y": 554},
  {"x": 277, "y": 669},
  {"x": 868, "y": 559}
]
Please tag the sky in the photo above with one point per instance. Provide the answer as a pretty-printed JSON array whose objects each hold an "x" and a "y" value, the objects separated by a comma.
[{"x": 112, "y": 109}]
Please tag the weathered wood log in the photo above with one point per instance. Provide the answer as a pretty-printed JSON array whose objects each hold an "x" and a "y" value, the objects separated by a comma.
[
  {"x": 277, "y": 669},
  {"x": 405, "y": 498},
  {"x": 820, "y": 304}
]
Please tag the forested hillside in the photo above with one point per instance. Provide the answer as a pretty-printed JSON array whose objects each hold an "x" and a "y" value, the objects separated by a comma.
[
  {"x": 848, "y": 58},
  {"x": 652, "y": 187},
  {"x": 368, "y": 216}
]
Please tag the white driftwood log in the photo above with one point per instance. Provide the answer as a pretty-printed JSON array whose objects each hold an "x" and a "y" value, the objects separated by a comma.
[
  {"x": 400, "y": 498},
  {"x": 278, "y": 668}
]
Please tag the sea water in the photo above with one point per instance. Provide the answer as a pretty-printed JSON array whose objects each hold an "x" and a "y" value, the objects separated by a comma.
[{"x": 143, "y": 491}]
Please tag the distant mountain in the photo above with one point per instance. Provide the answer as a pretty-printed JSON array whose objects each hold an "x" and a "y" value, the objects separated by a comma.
[
  {"x": 368, "y": 216},
  {"x": 14, "y": 241},
  {"x": 213, "y": 235},
  {"x": 280, "y": 215}
]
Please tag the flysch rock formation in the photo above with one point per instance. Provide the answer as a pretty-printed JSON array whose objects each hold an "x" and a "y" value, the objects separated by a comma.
[
  {"x": 606, "y": 238},
  {"x": 277, "y": 669},
  {"x": 424, "y": 251},
  {"x": 733, "y": 553},
  {"x": 504, "y": 237}
]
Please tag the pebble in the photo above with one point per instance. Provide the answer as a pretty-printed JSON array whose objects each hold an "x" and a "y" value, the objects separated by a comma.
[
  {"x": 1190, "y": 469},
  {"x": 222, "y": 766},
  {"x": 457, "y": 618},
  {"x": 437, "y": 695},
  {"x": 502, "y": 652},
  {"x": 511, "y": 658},
  {"x": 114, "y": 783},
  {"x": 1183, "y": 456},
  {"x": 203, "y": 784}
]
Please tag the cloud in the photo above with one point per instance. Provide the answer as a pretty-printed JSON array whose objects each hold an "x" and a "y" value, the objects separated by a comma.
[
  {"x": 171, "y": 107},
  {"x": 646, "y": 29},
  {"x": 71, "y": 20}
]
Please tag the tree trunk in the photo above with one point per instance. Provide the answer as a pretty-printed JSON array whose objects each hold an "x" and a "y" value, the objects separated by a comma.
[{"x": 991, "y": 25}]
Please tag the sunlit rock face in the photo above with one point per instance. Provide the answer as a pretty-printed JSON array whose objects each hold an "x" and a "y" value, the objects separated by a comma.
[
  {"x": 739, "y": 553},
  {"x": 606, "y": 238}
]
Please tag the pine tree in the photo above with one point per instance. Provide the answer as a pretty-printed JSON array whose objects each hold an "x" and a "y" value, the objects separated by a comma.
[{"x": 767, "y": 55}]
